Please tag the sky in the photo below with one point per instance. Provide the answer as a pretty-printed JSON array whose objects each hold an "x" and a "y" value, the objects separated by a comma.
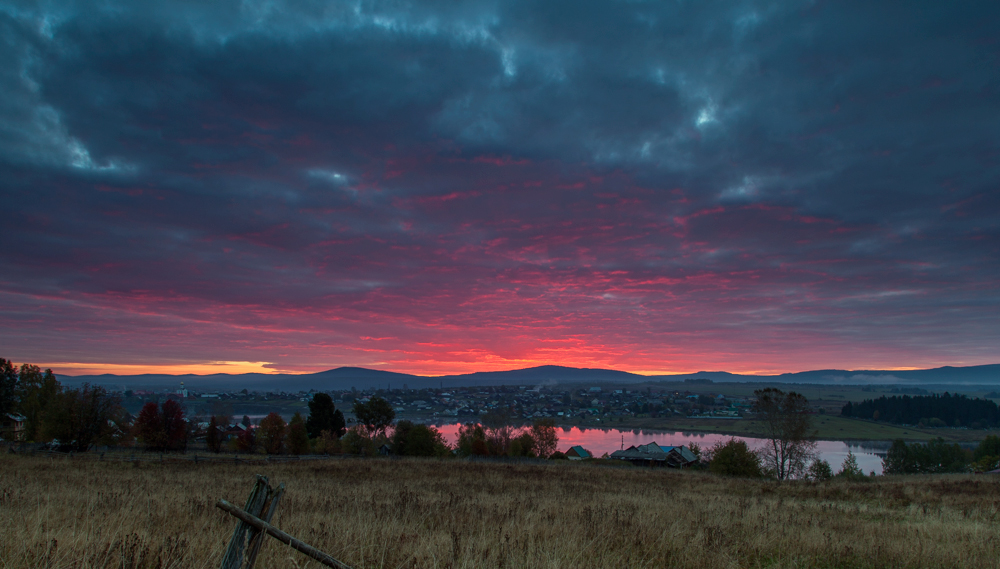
[{"x": 444, "y": 187}]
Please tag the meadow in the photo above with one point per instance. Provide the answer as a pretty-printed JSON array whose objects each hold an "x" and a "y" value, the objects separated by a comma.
[{"x": 63, "y": 513}]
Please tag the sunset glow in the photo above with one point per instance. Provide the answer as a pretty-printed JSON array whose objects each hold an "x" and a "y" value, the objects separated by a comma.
[{"x": 217, "y": 188}]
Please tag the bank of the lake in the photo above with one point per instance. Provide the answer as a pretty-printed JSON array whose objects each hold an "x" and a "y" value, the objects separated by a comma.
[
  {"x": 828, "y": 427},
  {"x": 607, "y": 440}
]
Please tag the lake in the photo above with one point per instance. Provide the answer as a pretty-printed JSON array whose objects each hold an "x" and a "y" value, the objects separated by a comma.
[{"x": 600, "y": 441}]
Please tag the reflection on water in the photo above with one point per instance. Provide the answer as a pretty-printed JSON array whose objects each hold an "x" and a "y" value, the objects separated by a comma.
[{"x": 600, "y": 441}]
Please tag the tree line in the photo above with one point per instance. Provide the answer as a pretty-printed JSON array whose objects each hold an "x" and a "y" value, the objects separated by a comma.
[
  {"x": 937, "y": 457},
  {"x": 945, "y": 410},
  {"x": 325, "y": 431},
  {"x": 76, "y": 418}
]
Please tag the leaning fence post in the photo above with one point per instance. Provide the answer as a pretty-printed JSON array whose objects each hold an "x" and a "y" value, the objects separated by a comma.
[
  {"x": 233, "y": 557},
  {"x": 280, "y": 535},
  {"x": 257, "y": 536}
]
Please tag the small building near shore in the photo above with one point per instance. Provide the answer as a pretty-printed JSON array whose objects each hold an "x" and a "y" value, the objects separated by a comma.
[
  {"x": 653, "y": 454},
  {"x": 12, "y": 426},
  {"x": 578, "y": 453}
]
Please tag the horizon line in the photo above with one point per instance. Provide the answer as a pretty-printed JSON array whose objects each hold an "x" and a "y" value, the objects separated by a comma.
[{"x": 271, "y": 371}]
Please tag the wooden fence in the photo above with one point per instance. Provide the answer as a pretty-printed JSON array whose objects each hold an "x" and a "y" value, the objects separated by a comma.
[{"x": 177, "y": 458}]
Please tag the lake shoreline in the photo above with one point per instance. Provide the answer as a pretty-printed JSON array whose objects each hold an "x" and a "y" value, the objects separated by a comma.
[{"x": 879, "y": 432}]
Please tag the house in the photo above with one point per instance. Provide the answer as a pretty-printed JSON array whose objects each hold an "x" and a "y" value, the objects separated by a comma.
[
  {"x": 12, "y": 426},
  {"x": 233, "y": 431},
  {"x": 578, "y": 453},
  {"x": 653, "y": 454},
  {"x": 385, "y": 449}
]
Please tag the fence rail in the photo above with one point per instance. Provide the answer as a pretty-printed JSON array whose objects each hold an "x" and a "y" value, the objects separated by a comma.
[{"x": 176, "y": 458}]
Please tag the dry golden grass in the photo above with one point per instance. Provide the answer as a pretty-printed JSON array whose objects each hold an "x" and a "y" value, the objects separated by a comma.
[{"x": 427, "y": 513}]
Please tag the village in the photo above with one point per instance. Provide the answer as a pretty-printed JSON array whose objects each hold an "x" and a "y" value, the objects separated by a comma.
[{"x": 592, "y": 405}]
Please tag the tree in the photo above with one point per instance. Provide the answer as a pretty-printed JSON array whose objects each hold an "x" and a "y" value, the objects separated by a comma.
[
  {"x": 35, "y": 391},
  {"x": 850, "y": 470},
  {"x": 8, "y": 387},
  {"x": 988, "y": 447},
  {"x": 471, "y": 440},
  {"x": 734, "y": 458},
  {"x": 897, "y": 459},
  {"x": 409, "y": 439},
  {"x": 695, "y": 449},
  {"x": 213, "y": 439},
  {"x": 298, "y": 438},
  {"x": 324, "y": 416},
  {"x": 80, "y": 418},
  {"x": 376, "y": 416},
  {"x": 271, "y": 434},
  {"x": 546, "y": 439},
  {"x": 788, "y": 428},
  {"x": 149, "y": 427},
  {"x": 819, "y": 470},
  {"x": 523, "y": 445},
  {"x": 357, "y": 441},
  {"x": 327, "y": 443},
  {"x": 174, "y": 425},
  {"x": 247, "y": 440},
  {"x": 162, "y": 428},
  {"x": 934, "y": 457},
  {"x": 499, "y": 431}
]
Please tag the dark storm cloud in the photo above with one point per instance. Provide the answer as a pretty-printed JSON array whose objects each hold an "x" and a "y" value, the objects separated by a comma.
[{"x": 639, "y": 180}]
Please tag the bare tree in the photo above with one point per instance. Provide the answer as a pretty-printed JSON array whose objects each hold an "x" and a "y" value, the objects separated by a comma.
[
  {"x": 499, "y": 430},
  {"x": 788, "y": 427}
]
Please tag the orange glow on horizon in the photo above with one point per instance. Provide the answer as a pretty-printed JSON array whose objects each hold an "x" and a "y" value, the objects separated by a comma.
[
  {"x": 420, "y": 368},
  {"x": 197, "y": 368}
]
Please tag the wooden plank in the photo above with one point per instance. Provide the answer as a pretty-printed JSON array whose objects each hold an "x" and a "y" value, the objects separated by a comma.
[
  {"x": 257, "y": 539},
  {"x": 280, "y": 535},
  {"x": 233, "y": 557}
]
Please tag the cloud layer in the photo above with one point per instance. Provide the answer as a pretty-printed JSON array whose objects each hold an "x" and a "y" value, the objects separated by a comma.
[{"x": 434, "y": 188}]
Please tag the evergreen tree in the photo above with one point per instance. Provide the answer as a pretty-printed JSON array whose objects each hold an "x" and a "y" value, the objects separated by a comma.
[
  {"x": 213, "y": 439},
  {"x": 850, "y": 469},
  {"x": 324, "y": 416}
]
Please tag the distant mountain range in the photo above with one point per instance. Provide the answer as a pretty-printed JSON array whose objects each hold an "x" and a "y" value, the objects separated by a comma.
[{"x": 362, "y": 378}]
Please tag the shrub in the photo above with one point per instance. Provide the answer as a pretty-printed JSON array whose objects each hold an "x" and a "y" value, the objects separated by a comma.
[
  {"x": 734, "y": 458},
  {"x": 819, "y": 470},
  {"x": 409, "y": 439}
]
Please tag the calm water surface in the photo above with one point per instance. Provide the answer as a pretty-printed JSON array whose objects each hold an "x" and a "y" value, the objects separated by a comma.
[{"x": 600, "y": 441}]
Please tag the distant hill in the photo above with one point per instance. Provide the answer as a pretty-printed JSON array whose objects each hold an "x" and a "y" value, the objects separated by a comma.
[{"x": 363, "y": 378}]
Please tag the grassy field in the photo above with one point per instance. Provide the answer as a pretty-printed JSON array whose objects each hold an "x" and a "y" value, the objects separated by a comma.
[{"x": 79, "y": 513}]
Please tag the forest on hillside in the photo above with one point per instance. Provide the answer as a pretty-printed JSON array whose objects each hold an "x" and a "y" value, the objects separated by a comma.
[{"x": 944, "y": 410}]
